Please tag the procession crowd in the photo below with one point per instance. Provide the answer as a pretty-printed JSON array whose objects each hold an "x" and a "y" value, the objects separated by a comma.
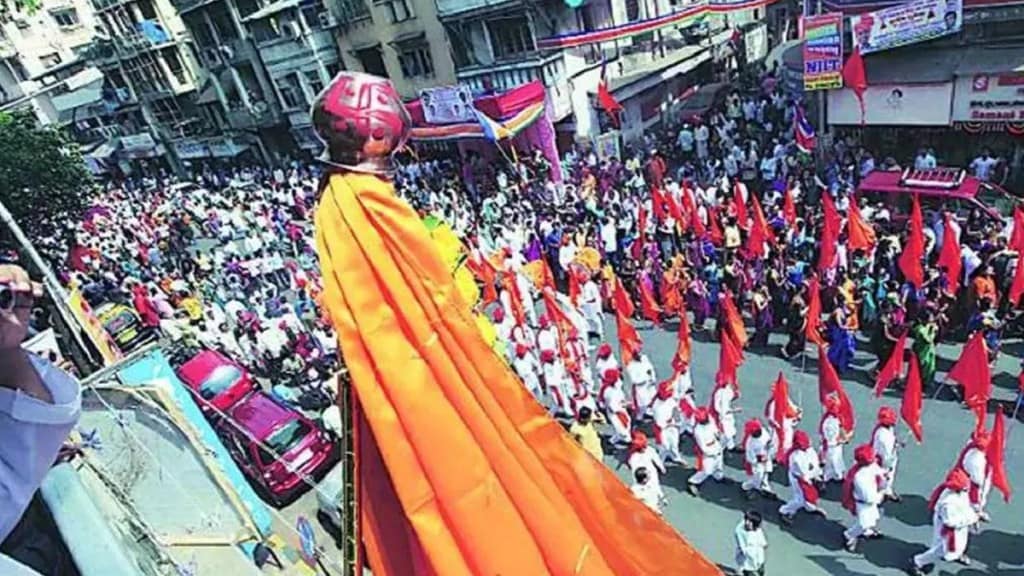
[{"x": 720, "y": 224}]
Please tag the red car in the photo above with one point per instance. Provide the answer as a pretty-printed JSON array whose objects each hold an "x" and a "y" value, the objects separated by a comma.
[
  {"x": 950, "y": 189},
  {"x": 275, "y": 446},
  {"x": 217, "y": 379}
]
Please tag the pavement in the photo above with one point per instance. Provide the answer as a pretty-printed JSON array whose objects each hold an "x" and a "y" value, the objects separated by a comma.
[
  {"x": 813, "y": 545},
  {"x": 325, "y": 538}
]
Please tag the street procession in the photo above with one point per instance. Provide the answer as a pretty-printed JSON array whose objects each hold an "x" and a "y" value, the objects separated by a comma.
[{"x": 765, "y": 319}]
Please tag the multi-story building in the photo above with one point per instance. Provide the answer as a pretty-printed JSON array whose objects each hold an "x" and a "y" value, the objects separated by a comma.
[
  {"x": 40, "y": 52},
  {"x": 402, "y": 40},
  {"x": 496, "y": 46},
  {"x": 150, "y": 77}
]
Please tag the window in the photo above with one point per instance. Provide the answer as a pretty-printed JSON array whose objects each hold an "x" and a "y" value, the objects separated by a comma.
[
  {"x": 174, "y": 63},
  {"x": 371, "y": 61},
  {"x": 398, "y": 10},
  {"x": 49, "y": 60},
  {"x": 416, "y": 61},
  {"x": 282, "y": 440},
  {"x": 510, "y": 37},
  {"x": 316, "y": 84},
  {"x": 220, "y": 380},
  {"x": 66, "y": 18},
  {"x": 333, "y": 68},
  {"x": 291, "y": 91}
]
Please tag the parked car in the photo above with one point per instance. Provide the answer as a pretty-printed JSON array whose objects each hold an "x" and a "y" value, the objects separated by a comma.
[
  {"x": 696, "y": 105},
  {"x": 125, "y": 326},
  {"x": 276, "y": 447},
  {"x": 217, "y": 379},
  {"x": 949, "y": 189}
]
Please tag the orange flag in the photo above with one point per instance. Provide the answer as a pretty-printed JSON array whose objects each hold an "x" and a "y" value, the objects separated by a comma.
[
  {"x": 730, "y": 356},
  {"x": 1017, "y": 235},
  {"x": 813, "y": 328},
  {"x": 486, "y": 275},
  {"x": 658, "y": 204},
  {"x": 574, "y": 287},
  {"x": 972, "y": 372},
  {"x": 1017, "y": 288},
  {"x": 621, "y": 301},
  {"x": 910, "y": 408},
  {"x": 683, "y": 346},
  {"x": 949, "y": 257},
  {"x": 859, "y": 234},
  {"x": 741, "y": 206},
  {"x": 508, "y": 281},
  {"x": 893, "y": 367},
  {"x": 829, "y": 233},
  {"x": 648, "y": 305},
  {"x": 829, "y": 384},
  {"x": 760, "y": 232},
  {"x": 788, "y": 208},
  {"x": 641, "y": 231},
  {"x": 423, "y": 377},
  {"x": 674, "y": 210},
  {"x": 547, "y": 278},
  {"x": 629, "y": 340},
  {"x": 780, "y": 411},
  {"x": 913, "y": 250},
  {"x": 996, "y": 455},
  {"x": 733, "y": 320},
  {"x": 714, "y": 228}
]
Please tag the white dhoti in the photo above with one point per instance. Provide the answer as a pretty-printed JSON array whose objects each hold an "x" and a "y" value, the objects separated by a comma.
[
  {"x": 708, "y": 466},
  {"x": 757, "y": 477},
  {"x": 834, "y": 466},
  {"x": 868, "y": 516}
]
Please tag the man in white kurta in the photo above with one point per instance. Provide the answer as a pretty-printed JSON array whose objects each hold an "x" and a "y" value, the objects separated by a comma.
[
  {"x": 547, "y": 336},
  {"x": 590, "y": 305},
  {"x": 556, "y": 382},
  {"x": 613, "y": 397},
  {"x": 974, "y": 461},
  {"x": 647, "y": 491},
  {"x": 528, "y": 369},
  {"x": 862, "y": 496},
  {"x": 804, "y": 472},
  {"x": 886, "y": 447},
  {"x": 682, "y": 380},
  {"x": 757, "y": 462},
  {"x": 833, "y": 438},
  {"x": 723, "y": 412},
  {"x": 641, "y": 375},
  {"x": 952, "y": 518},
  {"x": 605, "y": 360},
  {"x": 643, "y": 455},
  {"x": 665, "y": 411},
  {"x": 708, "y": 448}
]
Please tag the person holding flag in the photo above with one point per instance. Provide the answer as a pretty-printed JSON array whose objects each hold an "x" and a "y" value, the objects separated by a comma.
[
  {"x": 557, "y": 383},
  {"x": 722, "y": 410},
  {"x": 833, "y": 438},
  {"x": 605, "y": 361},
  {"x": 667, "y": 426},
  {"x": 757, "y": 460},
  {"x": 644, "y": 382},
  {"x": 804, "y": 475},
  {"x": 783, "y": 415},
  {"x": 973, "y": 460},
  {"x": 952, "y": 517},
  {"x": 613, "y": 398},
  {"x": 643, "y": 456},
  {"x": 862, "y": 496},
  {"x": 708, "y": 448},
  {"x": 591, "y": 306},
  {"x": 528, "y": 369},
  {"x": 886, "y": 447}
]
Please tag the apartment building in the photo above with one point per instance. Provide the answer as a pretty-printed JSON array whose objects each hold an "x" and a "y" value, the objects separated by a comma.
[{"x": 402, "y": 40}]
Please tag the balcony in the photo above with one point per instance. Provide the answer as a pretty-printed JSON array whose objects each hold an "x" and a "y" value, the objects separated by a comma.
[
  {"x": 500, "y": 77},
  {"x": 452, "y": 8},
  {"x": 261, "y": 115},
  {"x": 225, "y": 53},
  {"x": 284, "y": 49},
  {"x": 101, "y": 5}
]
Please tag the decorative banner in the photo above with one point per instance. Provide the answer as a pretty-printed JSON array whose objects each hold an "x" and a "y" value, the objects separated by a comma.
[
  {"x": 823, "y": 51},
  {"x": 908, "y": 23},
  {"x": 515, "y": 125},
  {"x": 694, "y": 12},
  {"x": 447, "y": 104}
]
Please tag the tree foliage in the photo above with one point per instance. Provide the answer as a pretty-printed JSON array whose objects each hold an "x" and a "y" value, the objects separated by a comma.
[
  {"x": 9, "y": 7},
  {"x": 43, "y": 179}
]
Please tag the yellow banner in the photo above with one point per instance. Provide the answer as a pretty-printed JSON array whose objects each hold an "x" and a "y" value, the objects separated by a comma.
[{"x": 92, "y": 327}]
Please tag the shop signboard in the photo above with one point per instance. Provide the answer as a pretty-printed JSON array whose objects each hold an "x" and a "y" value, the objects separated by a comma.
[
  {"x": 823, "y": 51},
  {"x": 190, "y": 149},
  {"x": 138, "y": 142},
  {"x": 989, "y": 98},
  {"x": 447, "y": 104},
  {"x": 907, "y": 23}
]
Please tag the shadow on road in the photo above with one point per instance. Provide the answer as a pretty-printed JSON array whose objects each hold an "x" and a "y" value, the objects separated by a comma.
[{"x": 912, "y": 510}]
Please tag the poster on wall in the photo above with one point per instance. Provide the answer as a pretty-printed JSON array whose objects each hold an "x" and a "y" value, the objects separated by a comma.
[
  {"x": 608, "y": 145},
  {"x": 823, "y": 51},
  {"x": 904, "y": 24},
  {"x": 447, "y": 104}
]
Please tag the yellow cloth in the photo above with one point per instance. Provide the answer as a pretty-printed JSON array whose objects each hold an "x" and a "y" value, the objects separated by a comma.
[{"x": 486, "y": 481}]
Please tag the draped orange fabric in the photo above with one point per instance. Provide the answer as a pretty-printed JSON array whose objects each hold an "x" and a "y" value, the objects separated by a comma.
[
  {"x": 813, "y": 328},
  {"x": 683, "y": 346},
  {"x": 733, "y": 320},
  {"x": 648, "y": 305},
  {"x": 859, "y": 234},
  {"x": 485, "y": 482},
  {"x": 949, "y": 257}
]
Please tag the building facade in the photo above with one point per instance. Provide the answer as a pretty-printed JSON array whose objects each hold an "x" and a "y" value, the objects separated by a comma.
[{"x": 402, "y": 40}]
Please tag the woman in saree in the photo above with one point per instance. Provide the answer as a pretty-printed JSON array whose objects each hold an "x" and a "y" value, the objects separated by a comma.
[
  {"x": 841, "y": 329},
  {"x": 925, "y": 333}
]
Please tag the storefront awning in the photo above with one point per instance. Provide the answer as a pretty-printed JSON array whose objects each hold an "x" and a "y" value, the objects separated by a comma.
[
  {"x": 915, "y": 66},
  {"x": 990, "y": 60}
]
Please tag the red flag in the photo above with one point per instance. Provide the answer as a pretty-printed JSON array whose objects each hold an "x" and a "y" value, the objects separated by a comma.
[
  {"x": 972, "y": 372},
  {"x": 683, "y": 346},
  {"x": 1017, "y": 288},
  {"x": 730, "y": 356},
  {"x": 996, "y": 455},
  {"x": 574, "y": 287},
  {"x": 760, "y": 232},
  {"x": 604, "y": 96},
  {"x": 855, "y": 78},
  {"x": 780, "y": 411},
  {"x": 733, "y": 320},
  {"x": 620, "y": 299},
  {"x": 913, "y": 250},
  {"x": 860, "y": 235},
  {"x": 658, "y": 204},
  {"x": 699, "y": 230},
  {"x": 830, "y": 385},
  {"x": 949, "y": 257},
  {"x": 1017, "y": 236},
  {"x": 547, "y": 279},
  {"x": 893, "y": 367},
  {"x": 910, "y": 408},
  {"x": 813, "y": 328},
  {"x": 648, "y": 305},
  {"x": 788, "y": 208},
  {"x": 641, "y": 231},
  {"x": 674, "y": 210},
  {"x": 629, "y": 340},
  {"x": 741, "y": 207},
  {"x": 829, "y": 233},
  {"x": 715, "y": 228}
]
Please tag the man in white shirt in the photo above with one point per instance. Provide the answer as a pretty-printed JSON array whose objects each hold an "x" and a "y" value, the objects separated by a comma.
[
  {"x": 528, "y": 369},
  {"x": 708, "y": 449},
  {"x": 952, "y": 519},
  {"x": 924, "y": 160},
  {"x": 757, "y": 462},
  {"x": 862, "y": 496},
  {"x": 833, "y": 438},
  {"x": 592, "y": 308},
  {"x": 750, "y": 545},
  {"x": 804, "y": 473},
  {"x": 886, "y": 447},
  {"x": 39, "y": 405},
  {"x": 641, "y": 375},
  {"x": 646, "y": 491},
  {"x": 974, "y": 461},
  {"x": 982, "y": 165},
  {"x": 667, "y": 427}
]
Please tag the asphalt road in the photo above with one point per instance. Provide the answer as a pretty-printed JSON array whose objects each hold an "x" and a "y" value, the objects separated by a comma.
[{"x": 814, "y": 545}]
